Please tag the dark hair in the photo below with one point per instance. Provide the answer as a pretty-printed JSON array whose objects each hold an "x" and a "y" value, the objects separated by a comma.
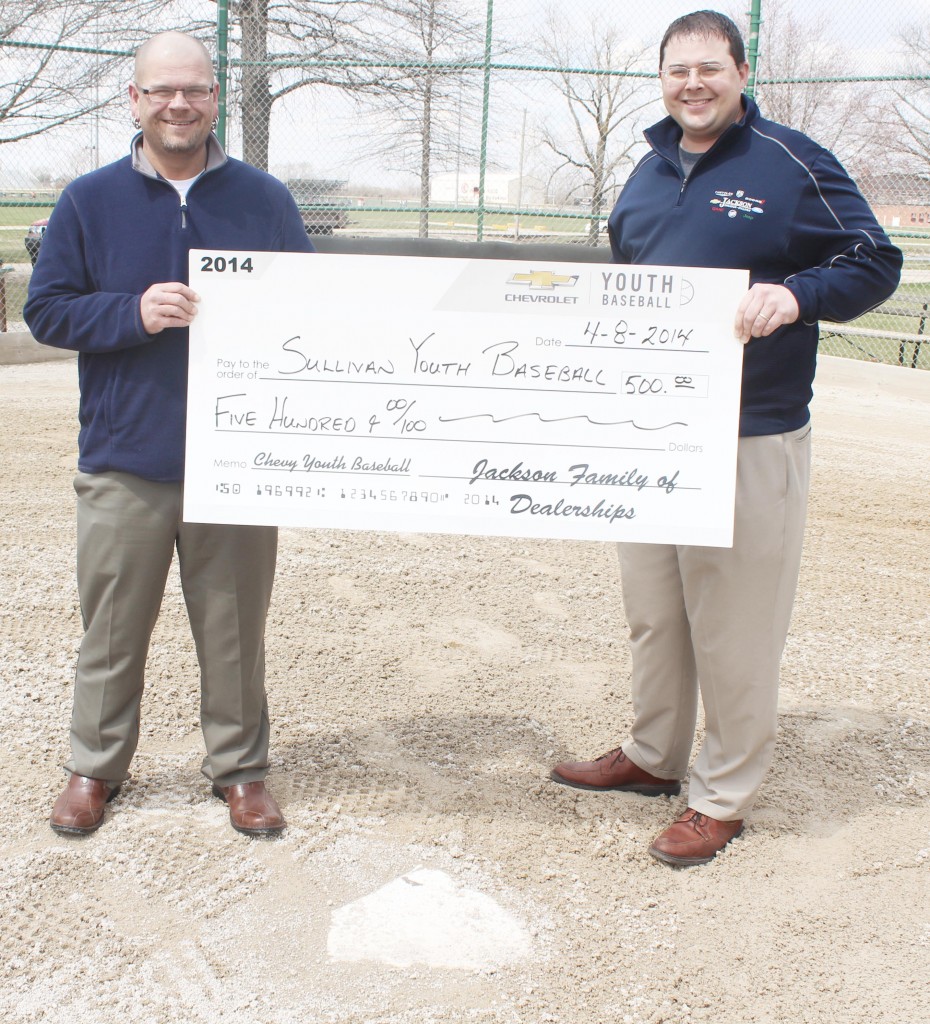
[{"x": 707, "y": 24}]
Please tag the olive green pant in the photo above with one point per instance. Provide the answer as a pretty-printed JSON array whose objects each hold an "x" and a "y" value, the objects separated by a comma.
[
  {"x": 715, "y": 620},
  {"x": 127, "y": 532}
]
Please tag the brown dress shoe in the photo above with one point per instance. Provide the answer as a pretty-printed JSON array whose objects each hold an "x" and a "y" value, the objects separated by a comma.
[
  {"x": 694, "y": 838},
  {"x": 252, "y": 809},
  {"x": 613, "y": 771},
  {"x": 78, "y": 811}
]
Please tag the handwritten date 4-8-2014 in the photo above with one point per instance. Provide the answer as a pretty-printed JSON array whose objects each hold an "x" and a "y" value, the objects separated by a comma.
[{"x": 654, "y": 336}]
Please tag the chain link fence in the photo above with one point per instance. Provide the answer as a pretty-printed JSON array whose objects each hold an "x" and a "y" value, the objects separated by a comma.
[{"x": 472, "y": 120}]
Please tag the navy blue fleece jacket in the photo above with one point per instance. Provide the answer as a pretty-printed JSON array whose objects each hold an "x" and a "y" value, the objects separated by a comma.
[
  {"x": 768, "y": 199},
  {"x": 113, "y": 234}
]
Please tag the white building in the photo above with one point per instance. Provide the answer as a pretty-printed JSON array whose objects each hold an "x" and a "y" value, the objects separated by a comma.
[{"x": 461, "y": 188}]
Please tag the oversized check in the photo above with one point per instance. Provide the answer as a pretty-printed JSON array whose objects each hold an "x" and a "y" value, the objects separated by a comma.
[{"x": 497, "y": 397}]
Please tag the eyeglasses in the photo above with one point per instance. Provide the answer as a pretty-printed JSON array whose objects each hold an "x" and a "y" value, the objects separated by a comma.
[
  {"x": 165, "y": 94},
  {"x": 705, "y": 72}
]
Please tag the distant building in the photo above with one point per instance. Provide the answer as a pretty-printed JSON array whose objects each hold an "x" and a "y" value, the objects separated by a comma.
[
  {"x": 898, "y": 200},
  {"x": 461, "y": 188}
]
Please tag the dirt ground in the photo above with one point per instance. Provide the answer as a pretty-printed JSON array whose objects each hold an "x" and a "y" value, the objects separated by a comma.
[{"x": 420, "y": 688}]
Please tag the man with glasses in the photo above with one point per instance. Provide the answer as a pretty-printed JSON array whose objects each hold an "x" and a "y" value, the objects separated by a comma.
[
  {"x": 723, "y": 187},
  {"x": 110, "y": 284}
]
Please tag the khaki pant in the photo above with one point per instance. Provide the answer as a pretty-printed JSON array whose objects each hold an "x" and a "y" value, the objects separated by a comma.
[
  {"x": 127, "y": 531},
  {"x": 716, "y": 619}
]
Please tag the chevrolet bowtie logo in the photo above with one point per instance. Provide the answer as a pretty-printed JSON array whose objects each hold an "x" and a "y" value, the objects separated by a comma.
[{"x": 544, "y": 279}]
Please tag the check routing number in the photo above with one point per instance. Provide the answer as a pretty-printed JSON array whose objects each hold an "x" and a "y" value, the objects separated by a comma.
[{"x": 498, "y": 397}]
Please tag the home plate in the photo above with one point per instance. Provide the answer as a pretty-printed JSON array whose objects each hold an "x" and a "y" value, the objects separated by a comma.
[{"x": 425, "y": 917}]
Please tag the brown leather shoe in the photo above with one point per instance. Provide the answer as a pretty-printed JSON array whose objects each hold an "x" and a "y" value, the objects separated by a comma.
[
  {"x": 78, "y": 811},
  {"x": 613, "y": 771},
  {"x": 694, "y": 838},
  {"x": 252, "y": 809}
]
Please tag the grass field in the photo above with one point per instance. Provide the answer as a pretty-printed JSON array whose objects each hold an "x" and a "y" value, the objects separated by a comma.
[
  {"x": 892, "y": 351},
  {"x": 496, "y": 223},
  {"x": 907, "y": 312},
  {"x": 14, "y": 222}
]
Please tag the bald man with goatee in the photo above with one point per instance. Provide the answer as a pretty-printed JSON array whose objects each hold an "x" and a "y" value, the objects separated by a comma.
[{"x": 111, "y": 284}]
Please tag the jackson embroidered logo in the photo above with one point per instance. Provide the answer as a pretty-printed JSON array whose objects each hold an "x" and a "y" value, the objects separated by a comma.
[{"x": 737, "y": 204}]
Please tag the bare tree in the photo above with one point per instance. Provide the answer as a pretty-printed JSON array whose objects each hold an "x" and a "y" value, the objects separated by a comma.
[
  {"x": 797, "y": 61},
  {"x": 289, "y": 46},
  {"x": 44, "y": 84},
  {"x": 422, "y": 117},
  {"x": 66, "y": 59},
  {"x": 903, "y": 123},
  {"x": 604, "y": 107}
]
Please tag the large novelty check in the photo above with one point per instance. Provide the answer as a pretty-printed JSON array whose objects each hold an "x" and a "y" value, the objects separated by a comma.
[{"x": 423, "y": 394}]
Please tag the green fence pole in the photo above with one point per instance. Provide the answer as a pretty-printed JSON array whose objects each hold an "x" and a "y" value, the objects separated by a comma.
[
  {"x": 222, "y": 64},
  {"x": 484, "y": 118},
  {"x": 755, "y": 19}
]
